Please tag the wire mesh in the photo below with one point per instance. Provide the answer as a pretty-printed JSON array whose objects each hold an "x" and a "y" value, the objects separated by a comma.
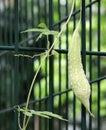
[{"x": 51, "y": 91}]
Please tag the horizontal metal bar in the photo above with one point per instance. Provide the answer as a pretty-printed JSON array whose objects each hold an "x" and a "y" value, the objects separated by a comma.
[
  {"x": 10, "y": 48},
  {"x": 40, "y": 50},
  {"x": 46, "y": 97},
  {"x": 98, "y": 79},
  {"x": 96, "y": 53}
]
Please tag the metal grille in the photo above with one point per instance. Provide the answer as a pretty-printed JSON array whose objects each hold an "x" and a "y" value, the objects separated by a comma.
[{"x": 51, "y": 91}]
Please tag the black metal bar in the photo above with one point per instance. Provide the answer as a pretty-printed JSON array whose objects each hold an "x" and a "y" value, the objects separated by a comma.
[
  {"x": 74, "y": 97},
  {"x": 5, "y": 23},
  {"x": 67, "y": 95},
  {"x": 45, "y": 10},
  {"x": 83, "y": 40},
  {"x": 10, "y": 23},
  {"x": 39, "y": 11},
  {"x": 99, "y": 68},
  {"x": 26, "y": 15},
  {"x": 98, "y": 79},
  {"x": 16, "y": 64},
  {"x": 51, "y": 66},
  {"x": 1, "y": 119},
  {"x": 39, "y": 20},
  {"x": 63, "y": 51},
  {"x": 20, "y": 15},
  {"x": 46, "y": 65},
  {"x": 90, "y": 59},
  {"x": 32, "y": 12},
  {"x": 59, "y": 63}
]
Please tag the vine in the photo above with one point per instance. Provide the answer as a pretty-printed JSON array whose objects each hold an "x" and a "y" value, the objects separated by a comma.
[{"x": 43, "y": 30}]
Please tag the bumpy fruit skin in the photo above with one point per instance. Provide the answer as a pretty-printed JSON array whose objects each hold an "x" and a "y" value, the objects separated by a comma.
[{"x": 77, "y": 77}]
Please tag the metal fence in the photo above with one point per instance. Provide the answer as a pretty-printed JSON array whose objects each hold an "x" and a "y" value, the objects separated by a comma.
[{"x": 51, "y": 91}]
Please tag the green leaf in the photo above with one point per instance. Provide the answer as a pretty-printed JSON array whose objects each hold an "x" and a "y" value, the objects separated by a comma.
[
  {"x": 45, "y": 31},
  {"x": 35, "y": 30},
  {"x": 53, "y": 115},
  {"x": 42, "y": 32},
  {"x": 42, "y": 25},
  {"x": 47, "y": 114},
  {"x": 38, "y": 113},
  {"x": 40, "y": 36}
]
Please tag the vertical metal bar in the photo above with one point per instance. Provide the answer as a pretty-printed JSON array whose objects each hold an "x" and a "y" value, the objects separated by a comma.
[
  {"x": 67, "y": 100},
  {"x": 10, "y": 23},
  {"x": 83, "y": 33},
  {"x": 74, "y": 98},
  {"x": 11, "y": 88},
  {"x": 32, "y": 25},
  {"x": 0, "y": 73},
  {"x": 45, "y": 10},
  {"x": 6, "y": 91},
  {"x": 4, "y": 16},
  {"x": 32, "y": 12},
  {"x": 26, "y": 15},
  {"x": 20, "y": 15},
  {"x": 39, "y": 12},
  {"x": 46, "y": 66},
  {"x": 16, "y": 63},
  {"x": 0, "y": 98},
  {"x": 0, "y": 29},
  {"x": 1, "y": 40},
  {"x": 39, "y": 20},
  {"x": 46, "y": 88},
  {"x": 10, "y": 61},
  {"x": 59, "y": 13},
  {"x": 51, "y": 68},
  {"x": 60, "y": 87},
  {"x": 98, "y": 63},
  {"x": 90, "y": 58},
  {"x": 5, "y": 42}
]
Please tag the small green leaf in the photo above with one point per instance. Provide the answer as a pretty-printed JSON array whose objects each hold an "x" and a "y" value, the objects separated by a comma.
[
  {"x": 38, "y": 113},
  {"x": 53, "y": 115},
  {"x": 42, "y": 25},
  {"x": 47, "y": 114},
  {"x": 35, "y": 30},
  {"x": 45, "y": 31},
  {"x": 40, "y": 36}
]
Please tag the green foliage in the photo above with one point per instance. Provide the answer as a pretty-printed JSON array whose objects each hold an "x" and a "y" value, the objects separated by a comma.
[
  {"x": 45, "y": 114},
  {"x": 43, "y": 30}
]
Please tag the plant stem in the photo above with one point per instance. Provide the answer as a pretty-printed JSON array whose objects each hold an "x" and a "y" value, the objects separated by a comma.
[{"x": 47, "y": 54}]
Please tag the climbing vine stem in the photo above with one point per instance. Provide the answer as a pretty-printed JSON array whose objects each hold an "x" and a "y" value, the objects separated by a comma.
[{"x": 26, "y": 120}]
